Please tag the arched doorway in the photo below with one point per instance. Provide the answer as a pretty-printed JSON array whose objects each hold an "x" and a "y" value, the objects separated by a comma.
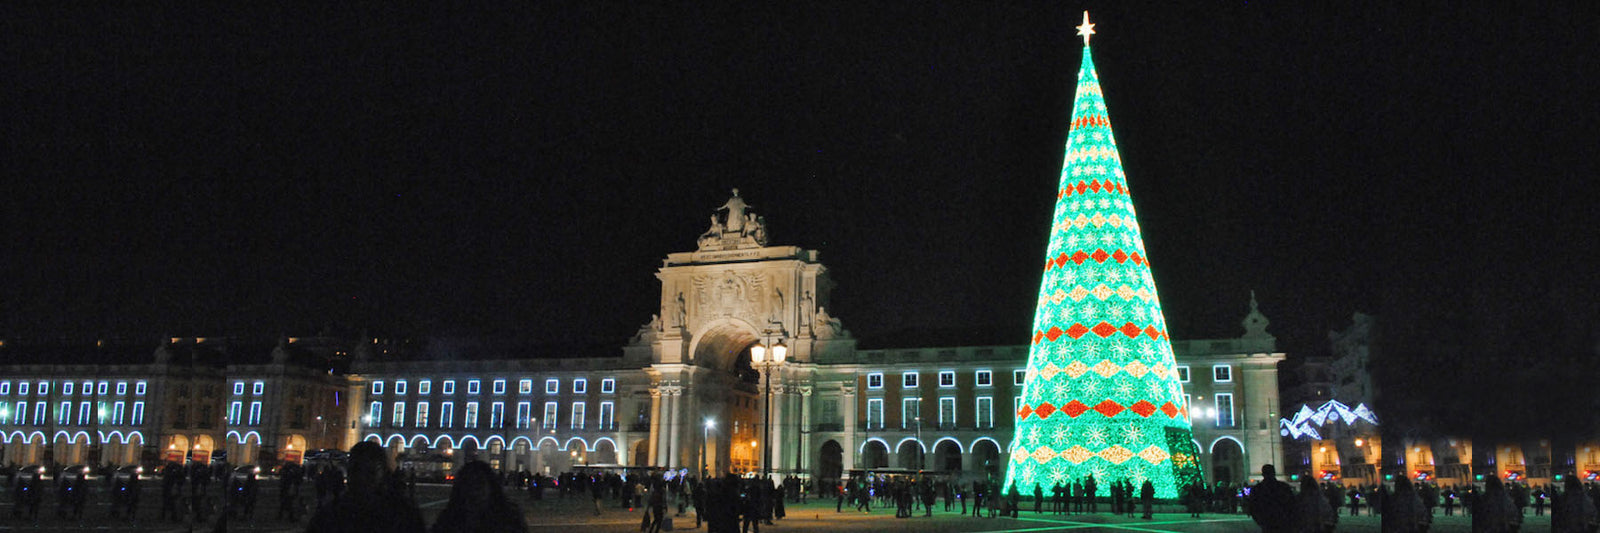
[
  {"x": 946, "y": 456},
  {"x": 874, "y": 454},
  {"x": 830, "y": 461},
  {"x": 910, "y": 454},
  {"x": 986, "y": 458},
  {"x": 1227, "y": 461},
  {"x": 605, "y": 453},
  {"x": 640, "y": 452}
]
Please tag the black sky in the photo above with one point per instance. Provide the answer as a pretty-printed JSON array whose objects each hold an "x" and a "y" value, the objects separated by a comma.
[{"x": 523, "y": 172}]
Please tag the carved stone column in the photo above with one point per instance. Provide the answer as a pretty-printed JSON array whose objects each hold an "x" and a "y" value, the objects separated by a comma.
[
  {"x": 780, "y": 420},
  {"x": 655, "y": 424},
  {"x": 805, "y": 430},
  {"x": 848, "y": 399},
  {"x": 674, "y": 438}
]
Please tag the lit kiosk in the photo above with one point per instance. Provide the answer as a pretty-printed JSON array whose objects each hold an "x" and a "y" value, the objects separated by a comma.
[
  {"x": 712, "y": 355},
  {"x": 1102, "y": 394}
]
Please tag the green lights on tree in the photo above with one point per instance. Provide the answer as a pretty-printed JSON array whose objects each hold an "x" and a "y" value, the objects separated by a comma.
[{"x": 1102, "y": 395}]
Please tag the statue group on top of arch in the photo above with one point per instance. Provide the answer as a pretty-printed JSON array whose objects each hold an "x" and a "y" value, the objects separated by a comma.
[{"x": 735, "y": 230}]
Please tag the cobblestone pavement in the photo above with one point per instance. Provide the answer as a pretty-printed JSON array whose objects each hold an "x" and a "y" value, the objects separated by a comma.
[{"x": 556, "y": 514}]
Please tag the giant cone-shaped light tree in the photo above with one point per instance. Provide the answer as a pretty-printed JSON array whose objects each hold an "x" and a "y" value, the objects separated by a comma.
[{"x": 1102, "y": 395}]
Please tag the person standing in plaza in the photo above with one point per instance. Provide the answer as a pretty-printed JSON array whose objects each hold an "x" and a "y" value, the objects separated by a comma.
[
  {"x": 371, "y": 502},
  {"x": 1313, "y": 513},
  {"x": 477, "y": 503},
  {"x": 1147, "y": 495},
  {"x": 1272, "y": 502},
  {"x": 1038, "y": 498}
]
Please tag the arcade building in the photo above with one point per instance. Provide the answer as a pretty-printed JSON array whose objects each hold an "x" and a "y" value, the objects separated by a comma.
[{"x": 743, "y": 327}]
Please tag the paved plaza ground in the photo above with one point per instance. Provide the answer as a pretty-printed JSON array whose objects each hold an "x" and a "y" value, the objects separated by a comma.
[{"x": 577, "y": 515}]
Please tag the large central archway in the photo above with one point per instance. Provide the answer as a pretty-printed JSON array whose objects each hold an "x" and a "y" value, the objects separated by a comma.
[{"x": 725, "y": 397}]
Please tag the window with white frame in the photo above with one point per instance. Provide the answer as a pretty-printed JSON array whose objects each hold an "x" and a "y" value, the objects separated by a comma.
[
  {"x": 398, "y": 419},
  {"x": 549, "y": 421},
  {"x": 38, "y": 413},
  {"x": 580, "y": 386},
  {"x": 255, "y": 413},
  {"x": 260, "y": 387},
  {"x": 99, "y": 389},
  {"x": 525, "y": 386},
  {"x": 608, "y": 418},
  {"x": 64, "y": 414},
  {"x": 1222, "y": 373},
  {"x": 947, "y": 412},
  {"x": 66, "y": 388},
  {"x": 116, "y": 412},
  {"x": 910, "y": 412},
  {"x": 552, "y": 386},
  {"x": 86, "y": 388},
  {"x": 138, "y": 414},
  {"x": 447, "y": 415},
  {"x": 22, "y": 413},
  {"x": 449, "y": 386},
  {"x": 422, "y": 414},
  {"x": 138, "y": 388},
  {"x": 497, "y": 415},
  {"x": 524, "y": 415},
  {"x": 425, "y": 387},
  {"x": 608, "y": 386},
  {"x": 1183, "y": 373},
  {"x": 83, "y": 413},
  {"x": 1224, "y": 410},
  {"x": 5, "y": 388},
  {"x": 499, "y": 386},
  {"x": 1016, "y": 408},
  {"x": 983, "y": 378},
  {"x": 472, "y": 386},
  {"x": 122, "y": 388},
  {"x": 399, "y": 386},
  {"x": 236, "y": 410},
  {"x": 874, "y": 381},
  {"x": 374, "y": 413},
  {"x": 909, "y": 380},
  {"x": 22, "y": 388},
  {"x": 1019, "y": 376},
  {"x": 986, "y": 411},
  {"x": 472, "y": 416},
  {"x": 44, "y": 388},
  {"x": 238, "y": 388},
  {"x": 947, "y": 378},
  {"x": 577, "y": 415},
  {"x": 874, "y": 413}
]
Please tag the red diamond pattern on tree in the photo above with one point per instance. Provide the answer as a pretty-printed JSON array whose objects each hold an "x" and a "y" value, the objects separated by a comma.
[
  {"x": 1074, "y": 408},
  {"x": 1055, "y": 333},
  {"x": 1130, "y": 330},
  {"x": 1024, "y": 412},
  {"x": 1100, "y": 255},
  {"x": 1120, "y": 256},
  {"x": 1169, "y": 409},
  {"x": 1144, "y": 408},
  {"x": 1108, "y": 408},
  {"x": 1044, "y": 410},
  {"x": 1105, "y": 330},
  {"x": 1076, "y": 331},
  {"x": 1080, "y": 257}
]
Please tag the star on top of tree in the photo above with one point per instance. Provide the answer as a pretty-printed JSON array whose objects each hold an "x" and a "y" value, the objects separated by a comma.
[{"x": 1086, "y": 29}]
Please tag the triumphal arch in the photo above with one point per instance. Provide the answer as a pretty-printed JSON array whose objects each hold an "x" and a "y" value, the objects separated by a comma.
[{"x": 731, "y": 294}]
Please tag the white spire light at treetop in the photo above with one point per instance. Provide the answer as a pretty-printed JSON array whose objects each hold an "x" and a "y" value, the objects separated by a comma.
[{"x": 1102, "y": 395}]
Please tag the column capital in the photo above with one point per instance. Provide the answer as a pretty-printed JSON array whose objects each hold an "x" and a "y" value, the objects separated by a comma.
[{"x": 805, "y": 390}]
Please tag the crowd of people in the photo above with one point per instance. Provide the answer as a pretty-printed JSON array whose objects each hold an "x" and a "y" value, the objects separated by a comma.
[
  {"x": 1410, "y": 507},
  {"x": 370, "y": 494}
]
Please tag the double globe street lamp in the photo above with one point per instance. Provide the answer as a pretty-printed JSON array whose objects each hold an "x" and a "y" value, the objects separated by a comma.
[{"x": 768, "y": 359}]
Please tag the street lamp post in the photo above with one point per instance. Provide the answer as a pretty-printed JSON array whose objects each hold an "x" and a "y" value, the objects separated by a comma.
[{"x": 768, "y": 359}]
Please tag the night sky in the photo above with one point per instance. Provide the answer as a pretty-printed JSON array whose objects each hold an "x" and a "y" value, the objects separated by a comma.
[{"x": 522, "y": 173}]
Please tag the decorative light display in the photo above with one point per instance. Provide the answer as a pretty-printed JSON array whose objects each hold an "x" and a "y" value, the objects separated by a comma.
[
  {"x": 1102, "y": 395},
  {"x": 1306, "y": 419}
]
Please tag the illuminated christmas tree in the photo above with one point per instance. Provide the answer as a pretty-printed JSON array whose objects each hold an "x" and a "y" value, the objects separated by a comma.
[{"x": 1102, "y": 395}]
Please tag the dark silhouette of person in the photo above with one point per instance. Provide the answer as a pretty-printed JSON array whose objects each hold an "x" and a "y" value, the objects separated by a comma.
[
  {"x": 1314, "y": 513},
  {"x": 1403, "y": 510},
  {"x": 1572, "y": 510},
  {"x": 1272, "y": 502},
  {"x": 371, "y": 501},
  {"x": 1147, "y": 494},
  {"x": 477, "y": 503}
]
